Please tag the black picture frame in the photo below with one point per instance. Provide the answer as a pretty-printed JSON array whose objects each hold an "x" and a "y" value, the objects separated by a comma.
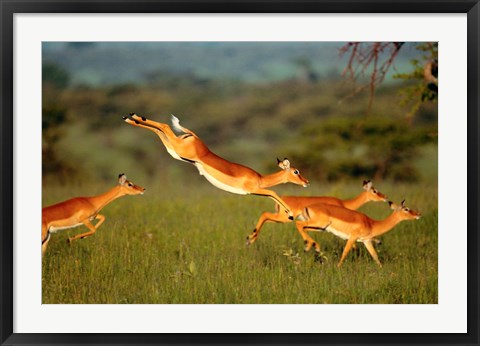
[{"x": 10, "y": 7}]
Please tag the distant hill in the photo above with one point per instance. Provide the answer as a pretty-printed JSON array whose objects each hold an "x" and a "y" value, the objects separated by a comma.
[{"x": 106, "y": 63}]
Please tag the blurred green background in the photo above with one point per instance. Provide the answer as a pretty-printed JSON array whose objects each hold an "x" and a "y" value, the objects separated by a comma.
[{"x": 249, "y": 102}]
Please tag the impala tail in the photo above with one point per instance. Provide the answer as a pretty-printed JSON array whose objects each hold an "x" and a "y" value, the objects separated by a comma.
[{"x": 176, "y": 125}]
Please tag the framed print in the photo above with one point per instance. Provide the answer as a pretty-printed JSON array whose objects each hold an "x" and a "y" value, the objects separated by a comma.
[{"x": 153, "y": 141}]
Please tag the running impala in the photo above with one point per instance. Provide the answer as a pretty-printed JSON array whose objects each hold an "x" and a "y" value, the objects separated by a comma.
[
  {"x": 223, "y": 174},
  {"x": 83, "y": 211},
  {"x": 350, "y": 225},
  {"x": 297, "y": 204}
]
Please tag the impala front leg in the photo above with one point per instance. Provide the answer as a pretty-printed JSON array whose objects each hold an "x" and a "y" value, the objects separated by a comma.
[
  {"x": 371, "y": 250},
  {"x": 276, "y": 198},
  {"x": 266, "y": 217},
  {"x": 90, "y": 226},
  {"x": 45, "y": 243},
  {"x": 347, "y": 249}
]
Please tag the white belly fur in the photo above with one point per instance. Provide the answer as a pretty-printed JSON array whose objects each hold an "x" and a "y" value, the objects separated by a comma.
[
  {"x": 217, "y": 183},
  {"x": 174, "y": 154},
  {"x": 53, "y": 229},
  {"x": 338, "y": 233}
]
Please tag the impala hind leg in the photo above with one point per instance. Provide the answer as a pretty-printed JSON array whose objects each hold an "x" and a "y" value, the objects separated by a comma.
[
  {"x": 187, "y": 147},
  {"x": 309, "y": 241},
  {"x": 163, "y": 131},
  {"x": 164, "y": 128},
  {"x": 266, "y": 217},
  {"x": 90, "y": 226}
]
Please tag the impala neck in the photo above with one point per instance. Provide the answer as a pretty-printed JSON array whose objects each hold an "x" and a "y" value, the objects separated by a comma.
[
  {"x": 385, "y": 225},
  {"x": 356, "y": 202},
  {"x": 103, "y": 199},
  {"x": 272, "y": 179}
]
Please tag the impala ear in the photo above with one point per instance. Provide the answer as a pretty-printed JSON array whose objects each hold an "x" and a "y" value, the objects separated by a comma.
[
  {"x": 392, "y": 205},
  {"x": 403, "y": 204},
  {"x": 367, "y": 185},
  {"x": 122, "y": 178},
  {"x": 285, "y": 164}
]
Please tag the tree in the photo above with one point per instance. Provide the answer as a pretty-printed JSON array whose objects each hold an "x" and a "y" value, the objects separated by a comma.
[
  {"x": 423, "y": 80},
  {"x": 306, "y": 72},
  {"x": 55, "y": 75},
  {"x": 372, "y": 61},
  {"x": 54, "y": 116},
  {"x": 376, "y": 147}
]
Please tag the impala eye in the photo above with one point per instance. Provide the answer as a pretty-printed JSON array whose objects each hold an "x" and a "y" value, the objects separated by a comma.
[
  {"x": 296, "y": 171},
  {"x": 374, "y": 191},
  {"x": 130, "y": 184},
  {"x": 407, "y": 209}
]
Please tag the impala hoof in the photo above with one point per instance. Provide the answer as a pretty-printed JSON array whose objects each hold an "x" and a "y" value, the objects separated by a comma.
[
  {"x": 318, "y": 258},
  {"x": 144, "y": 119}
]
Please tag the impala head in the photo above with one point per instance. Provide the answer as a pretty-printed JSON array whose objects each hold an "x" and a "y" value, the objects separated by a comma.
[
  {"x": 373, "y": 194},
  {"x": 128, "y": 187},
  {"x": 293, "y": 174},
  {"x": 404, "y": 212}
]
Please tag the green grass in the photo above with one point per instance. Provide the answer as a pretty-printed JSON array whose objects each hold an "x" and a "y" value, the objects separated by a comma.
[{"x": 184, "y": 242}]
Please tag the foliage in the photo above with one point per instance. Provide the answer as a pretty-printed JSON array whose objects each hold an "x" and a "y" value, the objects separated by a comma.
[
  {"x": 249, "y": 124},
  {"x": 54, "y": 75},
  {"x": 378, "y": 147},
  {"x": 423, "y": 78},
  {"x": 54, "y": 119}
]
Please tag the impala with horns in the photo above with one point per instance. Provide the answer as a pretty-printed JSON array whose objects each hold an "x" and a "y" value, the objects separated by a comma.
[
  {"x": 298, "y": 203},
  {"x": 350, "y": 225},
  {"x": 83, "y": 211},
  {"x": 221, "y": 173}
]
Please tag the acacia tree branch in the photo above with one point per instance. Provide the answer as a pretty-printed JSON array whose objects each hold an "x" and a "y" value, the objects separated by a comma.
[{"x": 364, "y": 56}]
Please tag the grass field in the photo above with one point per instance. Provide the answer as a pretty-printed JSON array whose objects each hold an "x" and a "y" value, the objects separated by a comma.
[{"x": 183, "y": 241}]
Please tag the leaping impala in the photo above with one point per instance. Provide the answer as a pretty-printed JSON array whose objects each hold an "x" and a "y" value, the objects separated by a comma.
[
  {"x": 297, "y": 204},
  {"x": 83, "y": 211},
  {"x": 223, "y": 174},
  {"x": 350, "y": 225}
]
